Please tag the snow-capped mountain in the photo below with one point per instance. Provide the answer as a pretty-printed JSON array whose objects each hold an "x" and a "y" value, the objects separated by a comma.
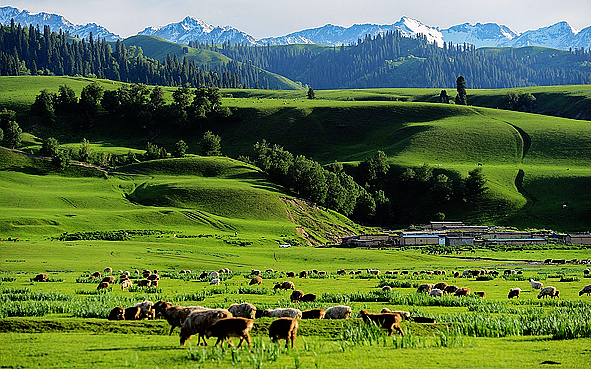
[
  {"x": 56, "y": 22},
  {"x": 560, "y": 35},
  {"x": 194, "y": 29}
]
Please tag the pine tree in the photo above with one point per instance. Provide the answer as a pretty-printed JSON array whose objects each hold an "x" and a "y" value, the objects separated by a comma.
[{"x": 461, "y": 97}]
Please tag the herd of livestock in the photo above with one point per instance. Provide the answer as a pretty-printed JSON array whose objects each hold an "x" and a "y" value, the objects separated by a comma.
[{"x": 238, "y": 319}]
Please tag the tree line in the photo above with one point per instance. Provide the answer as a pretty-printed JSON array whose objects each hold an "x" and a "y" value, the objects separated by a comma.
[
  {"x": 393, "y": 60},
  {"x": 31, "y": 51}
]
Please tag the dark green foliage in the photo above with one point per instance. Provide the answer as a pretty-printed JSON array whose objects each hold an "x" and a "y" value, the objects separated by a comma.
[
  {"x": 374, "y": 168},
  {"x": 211, "y": 144},
  {"x": 90, "y": 98},
  {"x": 66, "y": 98},
  {"x": 50, "y": 147},
  {"x": 311, "y": 94},
  {"x": 1, "y": 135},
  {"x": 153, "y": 151},
  {"x": 461, "y": 97},
  {"x": 61, "y": 160},
  {"x": 443, "y": 97},
  {"x": 180, "y": 149},
  {"x": 475, "y": 184},
  {"x": 522, "y": 101},
  {"x": 44, "y": 105},
  {"x": 84, "y": 152},
  {"x": 12, "y": 134}
]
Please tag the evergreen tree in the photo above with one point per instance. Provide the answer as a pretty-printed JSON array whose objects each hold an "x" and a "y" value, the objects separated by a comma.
[
  {"x": 475, "y": 184},
  {"x": 311, "y": 94},
  {"x": 12, "y": 134},
  {"x": 180, "y": 149},
  {"x": 44, "y": 105},
  {"x": 90, "y": 98},
  {"x": 443, "y": 97},
  {"x": 66, "y": 98},
  {"x": 461, "y": 97},
  {"x": 211, "y": 144}
]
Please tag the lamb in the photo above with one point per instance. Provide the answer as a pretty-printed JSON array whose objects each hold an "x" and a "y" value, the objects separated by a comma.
[
  {"x": 514, "y": 292},
  {"x": 284, "y": 329},
  {"x": 199, "y": 321},
  {"x": 132, "y": 313},
  {"x": 215, "y": 281},
  {"x": 451, "y": 289},
  {"x": 255, "y": 280},
  {"x": 480, "y": 293},
  {"x": 338, "y": 312},
  {"x": 440, "y": 285},
  {"x": 388, "y": 321},
  {"x": 387, "y": 289},
  {"x": 102, "y": 286},
  {"x": 464, "y": 291},
  {"x": 549, "y": 291},
  {"x": 296, "y": 295},
  {"x": 231, "y": 327},
  {"x": 436, "y": 292},
  {"x": 303, "y": 274},
  {"x": 244, "y": 310},
  {"x": 42, "y": 277},
  {"x": 313, "y": 314},
  {"x": 536, "y": 285},
  {"x": 283, "y": 313},
  {"x": 146, "y": 311},
  {"x": 126, "y": 283},
  {"x": 309, "y": 297},
  {"x": 117, "y": 313},
  {"x": 174, "y": 315},
  {"x": 586, "y": 289},
  {"x": 109, "y": 279},
  {"x": 426, "y": 287}
]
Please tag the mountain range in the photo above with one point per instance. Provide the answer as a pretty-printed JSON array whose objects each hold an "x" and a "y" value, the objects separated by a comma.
[{"x": 559, "y": 35}]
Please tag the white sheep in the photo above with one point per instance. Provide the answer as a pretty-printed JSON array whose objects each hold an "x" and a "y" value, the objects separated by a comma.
[
  {"x": 146, "y": 311},
  {"x": 536, "y": 285},
  {"x": 199, "y": 321},
  {"x": 244, "y": 310},
  {"x": 338, "y": 312},
  {"x": 126, "y": 283},
  {"x": 214, "y": 274},
  {"x": 215, "y": 281},
  {"x": 436, "y": 292},
  {"x": 373, "y": 271},
  {"x": 283, "y": 313},
  {"x": 549, "y": 291}
]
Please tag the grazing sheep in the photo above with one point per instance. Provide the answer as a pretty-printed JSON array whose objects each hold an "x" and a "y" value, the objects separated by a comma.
[
  {"x": 404, "y": 272},
  {"x": 514, "y": 292},
  {"x": 303, "y": 274},
  {"x": 117, "y": 313},
  {"x": 215, "y": 281},
  {"x": 42, "y": 277},
  {"x": 255, "y": 280},
  {"x": 287, "y": 285},
  {"x": 341, "y": 272},
  {"x": 451, "y": 289},
  {"x": 290, "y": 274},
  {"x": 203, "y": 275},
  {"x": 586, "y": 289},
  {"x": 126, "y": 283},
  {"x": 313, "y": 314},
  {"x": 388, "y": 321},
  {"x": 269, "y": 270},
  {"x": 480, "y": 293},
  {"x": 389, "y": 272},
  {"x": 146, "y": 273},
  {"x": 255, "y": 272},
  {"x": 549, "y": 291},
  {"x": 283, "y": 313},
  {"x": 136, "y": 272},
  {"x": 109, "y": 279},
  {"x": 231, "y": 327},
  {"x": 536, "y": 285},
  {"x": 586, "y": 271},
  {"x": 174, "y": 315},
  {"x": 436, "y": 292},
  {"x": 420, "y": 319},
  {"x": 214, "y": 275},
  {"x": 146, "y": 311},
  {"x": 244, "y": 310},
  {"x": 153, "y": 277},
  {"x": 199, "y": 321},
  {"x": 322, "y": 272},
  {"x": 259, "y": 313},
  {"x": 309, "y": 297},
  {"x": 387, "y": 289},
  {"x": 132, "y": 313},
  {"x": 464, "y": 291},
  {"x": 144, "y": 283},
  {"x": 296, "y": 295},
  {"x": 95, "y": 275},
  {"x": 188, "y": 271},
  {"x": 108, "y": 270},
  {"x": 284, "y": 329},
  {"x": 103, "y": 286},
  {"x": 154, "y": 283},
  {"x": 374, "y": 271},
  {"x": 456, "y": 274},
  {"x": 440, "y": 286},
  {"x": 426, "y": 287},
  {"x": 385, "y": 310},
  {"x": 338, "y": 312}
]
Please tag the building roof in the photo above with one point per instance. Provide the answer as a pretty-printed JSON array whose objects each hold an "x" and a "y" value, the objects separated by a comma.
[
  {"x": 515, "y": 239},
  {"x": 420, "y": 235}
]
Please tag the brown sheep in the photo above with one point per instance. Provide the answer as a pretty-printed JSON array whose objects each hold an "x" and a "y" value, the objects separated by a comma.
[
  {"x": 440, "y": 285},
  {"x": 132, "y": 313},
  {"x": 154, "y": 283},
  {"x": 387, "y": 289},
  {"x": 586, "y": 289},
  {"x": 284, "y": 329},
  {"x": 313, "y": 314},
  {"x": 153, "y": 277},
  {"x": 464, "y": 291},
  {"x": 341, "y": 272},
  {"x": 118, "y": 313},
  {"x": 42, "y": 277},
  {"x": 259, "y": 313},
  {"x": 296, "y": 296},
  {"x": 456, "y": 274},
  {"x": 426, "y": 287},
  {"x": 451, "y": 289},
  {"x": 95, "y": 275},
  {"x": 102, "y": 286},
  {"x": 231, "y": 327},
  {"x": 199, "y": 321},
  {"x": 309, "y": 297},
  {"x": 255, "y": 280},
  {"x": 255, "y": 272},
  {"x": 109, "y": 279},
  {"x": 108, "y": 270},
  {"x": 144, "y": 283},
  {"x": 290, "y": 274},
  {"x": 174, "y": 315},
  {"x": 203, "y": 275},
  {"x": 480, "y": 293},
  {"x": 303, "y": 274},
  {"x": 388, "y": 321},
  {"x": 514, "y": 292}
]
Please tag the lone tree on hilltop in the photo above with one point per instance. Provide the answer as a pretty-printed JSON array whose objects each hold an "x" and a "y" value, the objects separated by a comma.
[
  {"x": 461, "y": 97},
  {"x": 311, "y": 94},
  {"x": 211, "y": 144},
  {"x": 180, "y": 149}
]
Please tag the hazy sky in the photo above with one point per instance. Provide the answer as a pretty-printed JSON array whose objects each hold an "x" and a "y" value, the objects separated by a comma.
[{"x": 262, "y": 18}]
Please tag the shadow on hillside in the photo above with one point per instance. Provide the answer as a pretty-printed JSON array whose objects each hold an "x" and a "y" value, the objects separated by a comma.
[
  {"x": 138, "y": 348},
  {"x": 27, "y": 170}
]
